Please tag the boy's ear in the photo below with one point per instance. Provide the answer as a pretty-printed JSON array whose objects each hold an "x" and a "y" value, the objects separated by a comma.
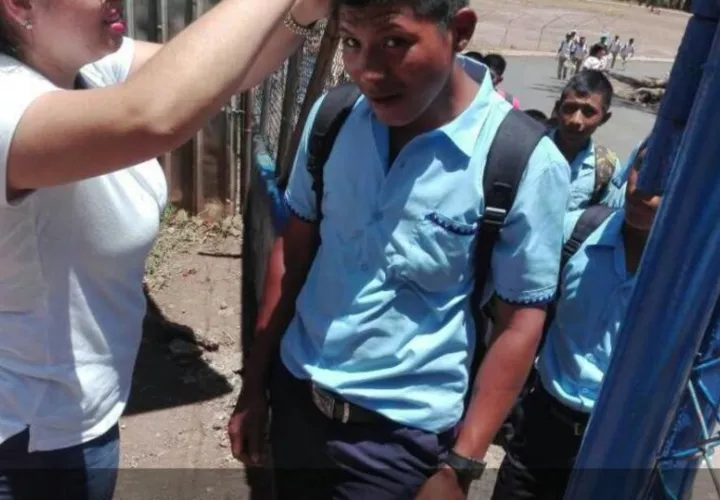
[
  {"x": 462, "y": 25},
  {"x": 608, "y": 115}
]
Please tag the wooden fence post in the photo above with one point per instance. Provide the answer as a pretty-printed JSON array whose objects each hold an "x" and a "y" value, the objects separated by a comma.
[{"x": 323, "y": 64}]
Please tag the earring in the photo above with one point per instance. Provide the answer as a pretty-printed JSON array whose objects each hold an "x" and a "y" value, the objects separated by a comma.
[{"x": 28, "y": 25}]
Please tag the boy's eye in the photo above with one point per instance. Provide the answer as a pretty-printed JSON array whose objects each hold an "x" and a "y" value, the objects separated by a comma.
[
  {"x": 393, "y": 43},
  {"x": 350, "y": 42}
]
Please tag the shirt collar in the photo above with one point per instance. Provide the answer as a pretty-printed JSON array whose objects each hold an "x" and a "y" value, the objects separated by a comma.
[
  {"x": 585, "y": 156},
  {"x": 464, "y": 130}
]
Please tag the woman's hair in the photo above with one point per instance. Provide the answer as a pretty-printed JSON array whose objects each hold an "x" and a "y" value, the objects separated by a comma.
[{"x": 8, "y": 37}]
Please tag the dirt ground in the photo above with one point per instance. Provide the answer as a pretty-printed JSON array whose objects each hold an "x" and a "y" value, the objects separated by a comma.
[
  {"x": 186, "y": 379},
  {"x": 187, "y": 375}
]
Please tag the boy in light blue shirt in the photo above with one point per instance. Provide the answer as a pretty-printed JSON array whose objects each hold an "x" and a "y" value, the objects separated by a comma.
[
  {"x": 370, "y": 310},
  {"x": 583, "y": 107},
  {"x": 596, "y": 284}
]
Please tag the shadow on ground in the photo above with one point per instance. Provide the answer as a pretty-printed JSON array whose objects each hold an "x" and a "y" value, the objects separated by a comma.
[{"x": 170, "y": 371}]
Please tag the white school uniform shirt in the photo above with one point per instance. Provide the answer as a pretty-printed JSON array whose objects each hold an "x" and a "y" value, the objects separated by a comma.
[
  {"x": 593, "y": 62},
  {"x": 72, "y": 259},
  {"x": 566, "y": 48},
  {"x": 580, "y": 50},
  {"x": 627, "y": 50}
]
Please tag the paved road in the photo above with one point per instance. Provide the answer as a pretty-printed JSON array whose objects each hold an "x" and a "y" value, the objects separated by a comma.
[{"x": 532, "y": 80}]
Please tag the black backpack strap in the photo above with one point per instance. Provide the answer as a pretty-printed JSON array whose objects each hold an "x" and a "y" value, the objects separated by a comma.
[
  {"x": 334, "y": 110},
  {"x": 591, "y": 219},
  {"x": 514, "y": 142}
]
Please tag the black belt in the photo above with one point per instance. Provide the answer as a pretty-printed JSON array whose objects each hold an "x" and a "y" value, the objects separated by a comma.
[
  {"x": 574, "y": 419},
  {"x": 336, "y": 408}
]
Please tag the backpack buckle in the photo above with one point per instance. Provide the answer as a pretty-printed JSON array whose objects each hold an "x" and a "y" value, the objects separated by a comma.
[{"x": 493, "y": 217}]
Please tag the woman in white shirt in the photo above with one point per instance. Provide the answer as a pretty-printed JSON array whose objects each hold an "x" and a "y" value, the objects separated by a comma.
[
  {"x": 597, "y": 59},
  {"x": 84, "y": 113}
]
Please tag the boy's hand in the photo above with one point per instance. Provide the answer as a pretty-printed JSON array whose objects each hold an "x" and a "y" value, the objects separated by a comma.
[
  {"x": 306, "y": 12},
  {"x": 246, "y": 427},
  {"x": 443, "y": 485}
]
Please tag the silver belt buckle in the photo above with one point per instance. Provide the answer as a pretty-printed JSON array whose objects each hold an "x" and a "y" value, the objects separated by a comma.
[
  {"x": 323, "y": 402},
  {"x": 326, "y": 404}
]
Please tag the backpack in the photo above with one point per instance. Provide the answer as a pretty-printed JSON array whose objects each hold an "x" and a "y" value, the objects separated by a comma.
[
  {"x": 510, "y": 151},
  {"x": 605, "y": 161}
]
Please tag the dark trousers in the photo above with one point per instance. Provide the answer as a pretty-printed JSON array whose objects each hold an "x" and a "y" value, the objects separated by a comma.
[
  {"x": 316, "y": 458},
  {"x": 541, "y": 454},
  {"x": 83, "y": 472}
]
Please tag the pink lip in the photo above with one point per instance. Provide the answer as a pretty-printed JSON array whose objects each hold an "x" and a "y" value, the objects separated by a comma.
[{"x": 115, "y": 21}]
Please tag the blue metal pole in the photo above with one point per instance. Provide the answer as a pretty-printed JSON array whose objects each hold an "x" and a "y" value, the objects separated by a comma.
[
  {"x": 679, "y": 95},
  {"x": 677, "y": 288}
]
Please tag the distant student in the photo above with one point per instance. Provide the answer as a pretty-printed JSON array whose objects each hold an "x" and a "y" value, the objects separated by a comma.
[
  {"x": 563, "y": 56},
  {"x": 584, "y": 105},
  {"x": 627, "y": 52},
  {"x": 596, "y": 58},
  {"x": 594, "y": 292},
  {"x": 614, "y": 49},
  {"x": 497, "y": 65},
  {"x": 580, "y": 51}
]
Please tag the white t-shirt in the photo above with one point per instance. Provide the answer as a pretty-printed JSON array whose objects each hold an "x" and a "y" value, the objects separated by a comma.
[
  {"x": 579, "y": 50},
  {"x": 71, "y": 266},
  {"x": 594, "y": 63}
]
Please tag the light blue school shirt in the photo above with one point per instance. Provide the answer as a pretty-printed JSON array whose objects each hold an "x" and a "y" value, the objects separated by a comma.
[
  {"x": 582, "y": 179},
  {"x": 594, "y": 295},
  {"x": 384, "y": 318}
]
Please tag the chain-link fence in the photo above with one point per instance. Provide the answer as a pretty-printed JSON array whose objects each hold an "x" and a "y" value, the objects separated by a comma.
[
  {"x": 281, "y": 103},
  {"x": 209, "y": 174}
]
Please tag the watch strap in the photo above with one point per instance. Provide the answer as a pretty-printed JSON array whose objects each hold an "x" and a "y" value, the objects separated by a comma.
[{"x": 467, "y": 469}]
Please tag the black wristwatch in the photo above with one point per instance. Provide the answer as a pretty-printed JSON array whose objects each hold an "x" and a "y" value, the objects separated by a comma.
[{"x": 467, "y": 469}]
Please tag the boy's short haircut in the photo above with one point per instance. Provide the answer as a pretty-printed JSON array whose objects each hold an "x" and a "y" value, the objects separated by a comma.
[
  {"x": 590, "y": 81},
  {"x": 537, "y": 115},
  {"x": 441, "y": 11},
  {"x": 496, "y": 62},
  {"x": 476, "y": 56},
  {"x": 596, "y": 49}
]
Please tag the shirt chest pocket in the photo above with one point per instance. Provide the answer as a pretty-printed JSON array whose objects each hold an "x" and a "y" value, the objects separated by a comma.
[{"x": 441, "y": 256}]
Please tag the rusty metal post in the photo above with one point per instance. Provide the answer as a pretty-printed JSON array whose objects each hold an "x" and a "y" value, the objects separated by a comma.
[
  {"x": 323, "y": 65},
  {"x": 231, "y": 149},
  {"x": 292, "y": 78},
  {"x": 199, "y": 143},
  {"x": 129, "y": 6},
  {"x": 246, "y": 147},
  {"x": 163, "y": 30}
]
